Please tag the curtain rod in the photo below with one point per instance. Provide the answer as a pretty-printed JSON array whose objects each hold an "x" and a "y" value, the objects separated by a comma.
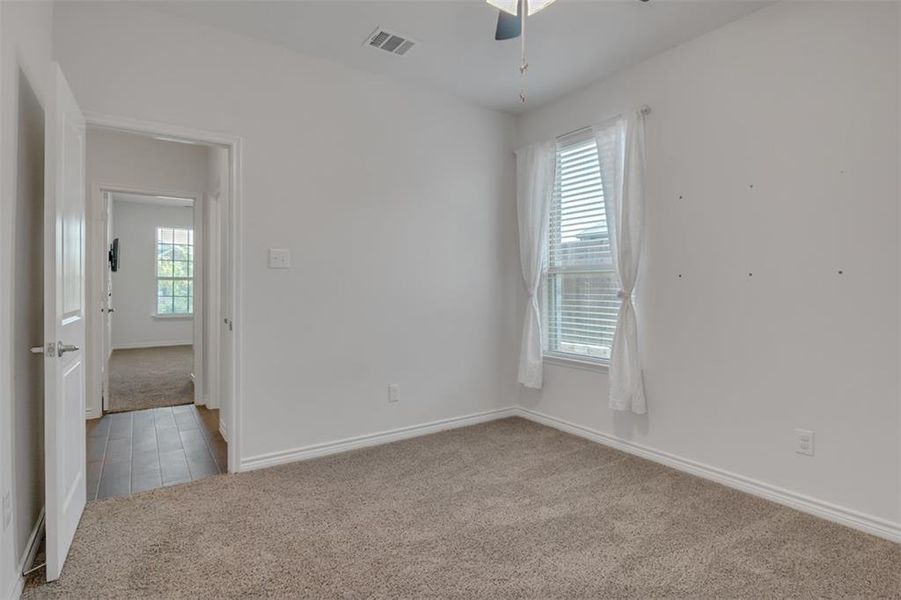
[{"x": 644, "y": 110}]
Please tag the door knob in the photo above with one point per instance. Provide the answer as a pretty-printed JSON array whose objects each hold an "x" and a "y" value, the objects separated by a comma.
[{"x": 63, "y": 348}]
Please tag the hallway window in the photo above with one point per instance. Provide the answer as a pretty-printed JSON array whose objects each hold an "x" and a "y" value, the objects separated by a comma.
[{"x": 174, "y": 271}]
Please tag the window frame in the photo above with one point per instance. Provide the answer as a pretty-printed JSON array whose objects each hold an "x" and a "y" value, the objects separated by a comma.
[
  {"x": 158, "y": 278},
  {"x": 601, "y": 267}
]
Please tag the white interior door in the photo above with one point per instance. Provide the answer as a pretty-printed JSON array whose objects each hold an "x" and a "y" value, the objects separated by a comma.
[{"x": 64, "y": 320}]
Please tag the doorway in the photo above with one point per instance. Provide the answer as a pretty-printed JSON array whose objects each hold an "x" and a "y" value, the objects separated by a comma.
[
  {"x": 151, "y": 303},
  {"x": 154, "y": 392}
]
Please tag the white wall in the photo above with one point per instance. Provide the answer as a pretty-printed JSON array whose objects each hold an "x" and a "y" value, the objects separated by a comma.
[
  {"x": 134, "y": 284},
  {"x": 25, "y": 44},
  {"x": 801, "y": 101},
  {"x": 393, "y": 200},
  {"x": 131, "y": 162}
]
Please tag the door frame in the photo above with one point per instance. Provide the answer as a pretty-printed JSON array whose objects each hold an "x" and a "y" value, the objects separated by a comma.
[
  {"x": 234, "y": 279},
  {"x": 98, "y": 205}
]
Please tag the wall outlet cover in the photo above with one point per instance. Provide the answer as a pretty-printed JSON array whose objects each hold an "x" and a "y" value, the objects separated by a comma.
[{"x": 279, "y": 258}]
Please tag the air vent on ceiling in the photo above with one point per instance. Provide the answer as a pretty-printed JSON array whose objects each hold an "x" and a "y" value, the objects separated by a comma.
[{"x": 389, "y": 42}]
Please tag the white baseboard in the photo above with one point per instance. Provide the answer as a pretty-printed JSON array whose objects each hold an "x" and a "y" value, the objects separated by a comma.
[
  {"x": 27, "y": 560},
  {"x": 374, "y": 439},
  {"x": 164, "y": 344},
  {"x": 223, "y": 430},
  {"x": 826, "y": 510}
]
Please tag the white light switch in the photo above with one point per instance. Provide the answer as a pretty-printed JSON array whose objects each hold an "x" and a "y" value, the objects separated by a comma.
[
  {"x": 279, "y": 258},
  {"x": 804, "y": 442}
]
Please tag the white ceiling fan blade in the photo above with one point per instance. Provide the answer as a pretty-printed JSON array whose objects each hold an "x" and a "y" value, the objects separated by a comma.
[
  {"x": 509, "y": 6},
  {"x": 536, "y": 5}
]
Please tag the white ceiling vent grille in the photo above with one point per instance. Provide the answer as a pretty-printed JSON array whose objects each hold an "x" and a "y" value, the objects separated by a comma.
[{"x": 389, "y": 42}]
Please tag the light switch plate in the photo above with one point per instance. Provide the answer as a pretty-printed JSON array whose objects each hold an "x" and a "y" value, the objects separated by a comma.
[
  {"x": 804, "y": 441},
  {"x": 279, "y": 258}
]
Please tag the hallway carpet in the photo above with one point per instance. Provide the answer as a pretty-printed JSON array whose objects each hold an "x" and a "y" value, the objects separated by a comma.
[
  {"x": 144, "y": 378},
  {"x": 507, "y": 509}
]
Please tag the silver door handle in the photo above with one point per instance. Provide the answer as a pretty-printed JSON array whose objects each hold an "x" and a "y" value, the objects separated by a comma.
[{"x": 62, "y": 348}]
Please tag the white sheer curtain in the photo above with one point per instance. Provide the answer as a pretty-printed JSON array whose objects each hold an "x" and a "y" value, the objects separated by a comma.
[
  {"x": 622, "y": 170},
  {"x": 534, "y": 187}
]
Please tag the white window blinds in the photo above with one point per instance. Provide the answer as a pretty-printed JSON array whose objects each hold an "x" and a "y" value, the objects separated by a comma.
[{"x": 581, "y": 303}]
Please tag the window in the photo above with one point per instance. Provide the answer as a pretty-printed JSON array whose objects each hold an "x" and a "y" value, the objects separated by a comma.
[
  {"x": 581, "y": 302},
  {"x": 174, "y": 271}
]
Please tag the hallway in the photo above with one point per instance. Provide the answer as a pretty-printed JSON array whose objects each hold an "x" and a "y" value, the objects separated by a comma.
[{"x": 131, "y": 452}]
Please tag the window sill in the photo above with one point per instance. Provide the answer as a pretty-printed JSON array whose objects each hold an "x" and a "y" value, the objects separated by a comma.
[
  {"x": 576, "y": 363},
  {"x": 172, "y": 317}
]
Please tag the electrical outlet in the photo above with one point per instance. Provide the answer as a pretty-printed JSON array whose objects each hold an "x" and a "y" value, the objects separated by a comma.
[
  {"x": 393, "y": 392},
  {"x": 804, "y": 442},
  {"x": 279, "y": 258},
  {"x": 7, "y": 510}
]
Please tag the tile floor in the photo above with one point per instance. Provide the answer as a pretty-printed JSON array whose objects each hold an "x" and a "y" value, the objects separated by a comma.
[{"x": 131, "y": 452}]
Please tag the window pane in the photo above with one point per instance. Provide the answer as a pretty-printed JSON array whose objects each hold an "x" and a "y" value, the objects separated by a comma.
[
  {"x": 164, "y": 287},
  {"x": 181, "y": 287},
  {"x": 577, "y": 230},
  {"x": 582, "y": 312},
  {"x": 180, "y": 269},
  {"x": 181, "y": 236},
  {"x": 164, "y": 252},
  {"x": 164, "y": 234},
  {"x": 164, "y": 306},
  {"x": 165, "y": 269},
  {"x": 180, "y": 252},
  {"x": 181, "y": 305}
]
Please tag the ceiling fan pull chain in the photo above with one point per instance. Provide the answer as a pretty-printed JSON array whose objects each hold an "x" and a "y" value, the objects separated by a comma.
[{"x": 524, "y": 66}]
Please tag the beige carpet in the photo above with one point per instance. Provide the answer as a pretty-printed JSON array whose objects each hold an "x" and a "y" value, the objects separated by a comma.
[
  {"x": 508, "y": 509},
  {"x": 150, "y": 378}
]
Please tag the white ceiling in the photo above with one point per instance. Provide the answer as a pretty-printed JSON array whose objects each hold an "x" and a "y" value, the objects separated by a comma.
[{"x": 570, "y": 44}]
